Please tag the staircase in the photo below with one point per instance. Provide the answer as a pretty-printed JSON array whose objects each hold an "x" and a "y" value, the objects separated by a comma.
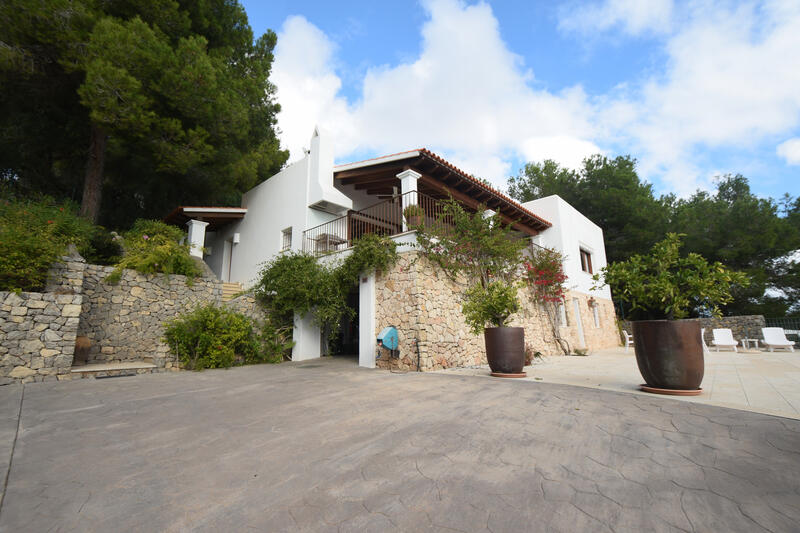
[{"x": 230, "y": 290}]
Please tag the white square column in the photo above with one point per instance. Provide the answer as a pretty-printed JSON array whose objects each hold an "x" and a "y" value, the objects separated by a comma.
[
  {"x": 197, "y": 237},
  {"x": 307, "y": 338},
  {"x": 408, "y": 184},
  {"x": 367, "y": 336}
]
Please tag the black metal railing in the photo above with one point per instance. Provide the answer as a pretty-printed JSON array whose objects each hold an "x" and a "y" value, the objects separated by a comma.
[{"x": 383, "y": 218}]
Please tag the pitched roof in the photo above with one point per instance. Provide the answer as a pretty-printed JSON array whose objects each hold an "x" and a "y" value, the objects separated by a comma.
[{"x": 424, "y": 153}]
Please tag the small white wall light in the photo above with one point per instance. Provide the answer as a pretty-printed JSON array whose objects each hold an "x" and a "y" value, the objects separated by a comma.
[{"x": 236, "y": 237}]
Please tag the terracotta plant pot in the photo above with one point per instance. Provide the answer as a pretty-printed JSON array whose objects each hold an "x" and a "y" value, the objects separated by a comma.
[
  {"x": 669, "y": 353},
  {"x": 505, "y": 349}
]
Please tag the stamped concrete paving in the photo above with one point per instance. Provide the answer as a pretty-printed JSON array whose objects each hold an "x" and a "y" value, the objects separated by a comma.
[
  {"x": 325, "y": 446},
  {"x": 752, "y": 380}
]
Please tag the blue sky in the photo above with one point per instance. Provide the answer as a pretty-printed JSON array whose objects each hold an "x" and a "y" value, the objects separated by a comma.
[{"x": 691, "y": 90}]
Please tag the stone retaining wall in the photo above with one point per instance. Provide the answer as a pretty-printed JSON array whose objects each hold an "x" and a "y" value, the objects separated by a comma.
[
  {"x": 83, "y": 319},
  {"x": 743, "y": 326},
  {"x": 37, "y": 335},
  {"x": 425, "y": 305},
  {"x": 124, "y": 321}
]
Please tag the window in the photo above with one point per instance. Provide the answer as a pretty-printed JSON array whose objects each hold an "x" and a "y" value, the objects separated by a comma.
[
  {"x": 586, "y": 261},
  {"x": 562, "y": 315},
  {"x": 286, "y": 239}
]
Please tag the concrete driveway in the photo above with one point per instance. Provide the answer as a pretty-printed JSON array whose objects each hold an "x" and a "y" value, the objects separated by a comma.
[{"x": 326, "y": 446}]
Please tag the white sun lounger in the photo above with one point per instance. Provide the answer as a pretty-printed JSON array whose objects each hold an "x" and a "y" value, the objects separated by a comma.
[
  {"x": 628, "y": 339},
  {"x": 776, "y": 338},
  {"x": 724, "y": 338}
]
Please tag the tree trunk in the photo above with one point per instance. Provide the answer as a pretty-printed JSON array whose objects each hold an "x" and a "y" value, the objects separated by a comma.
[{"x": 93, "y": 182}]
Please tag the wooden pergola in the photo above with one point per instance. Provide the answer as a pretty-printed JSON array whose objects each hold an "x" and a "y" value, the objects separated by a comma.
[{"x": 440, "y": 180}]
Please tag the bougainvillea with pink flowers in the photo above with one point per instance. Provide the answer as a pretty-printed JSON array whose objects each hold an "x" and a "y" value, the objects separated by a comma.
[{"x": 544, "y": 274}]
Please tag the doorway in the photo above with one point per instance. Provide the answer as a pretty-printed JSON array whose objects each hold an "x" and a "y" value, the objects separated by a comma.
[
  {"x": 227, "y": 260},
  {"x": 347, "y": 341}
]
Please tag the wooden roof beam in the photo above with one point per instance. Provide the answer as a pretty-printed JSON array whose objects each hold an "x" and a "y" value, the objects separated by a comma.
[{"x": 474, "y": 204}]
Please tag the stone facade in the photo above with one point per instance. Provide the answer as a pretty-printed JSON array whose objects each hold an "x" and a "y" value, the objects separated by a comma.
[
  {"x": 124, "y": 321},
  {"x": 425, "y": 306},
  {"x": 37, "y": 335},
  {"x": 744, "y": 326}
]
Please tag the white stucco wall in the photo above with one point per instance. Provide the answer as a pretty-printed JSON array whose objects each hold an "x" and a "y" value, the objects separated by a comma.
[
  {"x": 570, "y": 232},
  {"x": 278, "y": 203}
]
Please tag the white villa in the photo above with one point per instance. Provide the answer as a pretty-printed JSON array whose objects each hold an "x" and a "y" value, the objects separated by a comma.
[{"x": 314, "y": 206}]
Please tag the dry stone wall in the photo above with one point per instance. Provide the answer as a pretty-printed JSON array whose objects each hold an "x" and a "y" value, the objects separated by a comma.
[
  {"x": 124, "y": 321},
  {"x": 425, "y": 306},
  {"x": 742, "y": 327},
  {"x": 37, "y": 335},
  {"x": 83, "y": 319}
]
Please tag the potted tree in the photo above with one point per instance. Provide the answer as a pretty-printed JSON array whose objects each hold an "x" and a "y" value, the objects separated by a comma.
[
  {"x": 414, "y": 215},
  {"x": 478, "y": 250},
  {"x": 661, "y": 288},
  {"x": 488, "y": 309}
]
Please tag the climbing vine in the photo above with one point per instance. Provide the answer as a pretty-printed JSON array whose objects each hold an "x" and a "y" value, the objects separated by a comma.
[
  {"x": 545, "y": 278},
  {"x": 299, "y": 283}
]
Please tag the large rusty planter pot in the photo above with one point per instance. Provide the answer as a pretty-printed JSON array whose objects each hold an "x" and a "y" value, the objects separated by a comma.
[
  {"x": 505, "y": 349},
  {"x": 669, "y": 353}
]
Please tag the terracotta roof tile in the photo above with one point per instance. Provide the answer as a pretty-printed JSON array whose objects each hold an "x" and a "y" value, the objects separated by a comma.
[{"x": 481, "y": 184}]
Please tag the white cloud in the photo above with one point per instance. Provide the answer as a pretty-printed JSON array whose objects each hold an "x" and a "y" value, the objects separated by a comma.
[
  {"x": 728, "y": 81},
  {"x": 307, "y": 85},
  {"x": 568, "y": 151},
  {"x": 790, "y": 151},
  {"x": 465, "y": 96},
  {"x": 634, "y": 17}
]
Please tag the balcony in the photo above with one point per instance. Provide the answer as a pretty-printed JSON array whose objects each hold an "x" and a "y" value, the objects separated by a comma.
[{"x": 383, "y": 218}]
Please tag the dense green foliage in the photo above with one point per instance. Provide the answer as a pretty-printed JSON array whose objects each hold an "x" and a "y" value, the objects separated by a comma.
[
  {"x": 149, "y": 104},
  {"x": 486, "y": 253},
  {"x": 34, "y": 235},
  {"x": 297, "y": 283},
  {"x": 300, "y": 283},
  {"x": 214, "y": 337},
  {"x": 744, "y": 232},
  {"x": 489, "y": 306},
  {"x": 151, "y": 247},
  {"x": 477, "y": 246},
  {"x": 731, "y": 225},
  {"x": 664, "y": 284},
  {"x": 608, "y": 192}
]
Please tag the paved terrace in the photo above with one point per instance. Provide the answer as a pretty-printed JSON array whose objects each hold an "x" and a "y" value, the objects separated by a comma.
[
  {"x": 326, "y": 446},
  {"x": 753, "y": 380}
]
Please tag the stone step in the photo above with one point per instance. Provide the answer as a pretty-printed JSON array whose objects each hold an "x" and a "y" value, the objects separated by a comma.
[
  {"x": 104, "y": 370},
  {"x": 229, "y": 290}
]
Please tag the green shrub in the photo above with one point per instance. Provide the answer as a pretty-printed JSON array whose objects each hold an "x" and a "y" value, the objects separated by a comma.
[
  {"x": 492, "y": 305},
  {"x": 276, "y": 342},
  {"x": 666, "y": 285},
  {"x": 370, "y": 253},
  {"x": 153, "y": 247},
  {"x": 298, "y": 283},
  {"x": 34, "y": 234},
  {"x": 214, "y": 337}
]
